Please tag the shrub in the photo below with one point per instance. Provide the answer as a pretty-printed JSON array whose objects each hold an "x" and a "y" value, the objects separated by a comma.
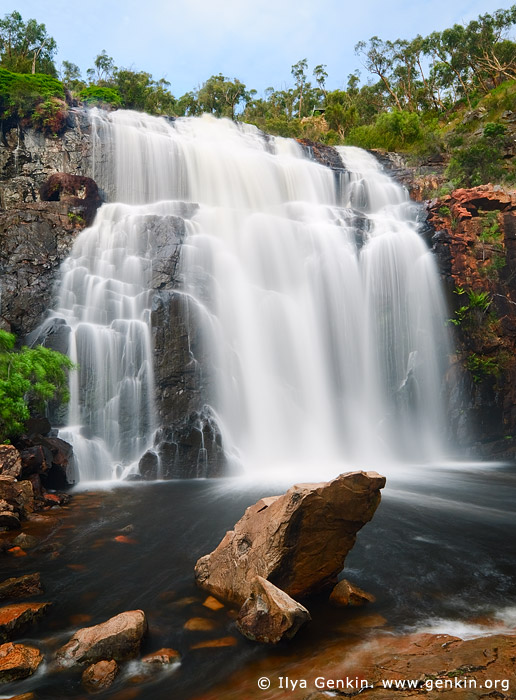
[
  {"x": 28, "y": 378},
  {"x": 100, "y": 95},
  {"x": 36, "y": 99}
]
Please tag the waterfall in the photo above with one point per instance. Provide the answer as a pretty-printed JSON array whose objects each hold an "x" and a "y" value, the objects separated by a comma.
[{"x": 317, "y": 300}]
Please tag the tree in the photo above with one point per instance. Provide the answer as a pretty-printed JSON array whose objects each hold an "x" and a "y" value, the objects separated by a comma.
[
  {"x": 29, "y": 377},
  {"x": 103, "y": 72},
  {"x": 378, "y": 60},
  {"x": 320, "y": 76},
  {"x": 70, "y": 75},
  {"x": 298, "y": 71},
  {"x": 25, "y": 47}
]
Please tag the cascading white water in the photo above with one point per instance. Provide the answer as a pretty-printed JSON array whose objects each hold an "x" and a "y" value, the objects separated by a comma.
[{"x": 319, "y": 302}]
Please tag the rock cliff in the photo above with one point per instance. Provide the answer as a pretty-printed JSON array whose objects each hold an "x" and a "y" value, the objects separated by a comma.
[{"x": 47, "y": 196}]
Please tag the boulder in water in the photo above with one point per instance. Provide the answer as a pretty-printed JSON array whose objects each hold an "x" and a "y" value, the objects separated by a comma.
[
  {"x": 17, "y": 617},
  {"x": 118, "y": 638},
  {"x": 21, "y": 587},
  {"x": 18, "y": 661},
  {"x": 100, "y": 676},
  {"x": 269, "y": 614},
  {"x": 346, "y": 594},
  {"x": 297, "y": 541}
]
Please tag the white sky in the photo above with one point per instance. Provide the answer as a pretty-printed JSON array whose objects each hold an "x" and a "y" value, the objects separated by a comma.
[{"x": 257, "y": 41}]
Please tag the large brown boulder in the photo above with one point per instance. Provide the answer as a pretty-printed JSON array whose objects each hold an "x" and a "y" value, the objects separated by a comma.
[
  {"x": 297, "y": 541},
  {"x": 269, "y": 614},
  {"x": 18, "y": 661},
  {"x": 118, "y": 638}
]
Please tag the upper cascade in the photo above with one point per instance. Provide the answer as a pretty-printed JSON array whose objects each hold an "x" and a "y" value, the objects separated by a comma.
[{"x": 318, "y": 303}]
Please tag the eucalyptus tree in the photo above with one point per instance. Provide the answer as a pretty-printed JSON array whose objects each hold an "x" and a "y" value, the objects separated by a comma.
[{"x": 25, "y": 47}]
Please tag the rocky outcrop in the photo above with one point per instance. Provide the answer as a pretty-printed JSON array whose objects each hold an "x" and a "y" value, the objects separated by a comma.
[
  {"x": 269, "y": 614},
  {"x": 189, "y": 442},
  {"x": 18, "y": 661},
  {"x": 437, "y": 666},
  {"x": 118, "y": 638},
  {"x": 10, "y": 461},
  {"x": 297, "y": 541},
  {"x": 474, "y": 241},
  {"x": 36, "y": 235}
]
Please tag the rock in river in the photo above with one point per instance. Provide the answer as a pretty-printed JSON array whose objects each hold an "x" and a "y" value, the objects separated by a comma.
[
  {"x": 118, "y": 638},
  {"x": 18, "y": 661},
  {"x": 269, "y": 614},
  {"x": 297, "y": 541}
]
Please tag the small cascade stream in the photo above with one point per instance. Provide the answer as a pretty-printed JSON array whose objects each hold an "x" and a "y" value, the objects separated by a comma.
[{"x": 317, "y": 301}]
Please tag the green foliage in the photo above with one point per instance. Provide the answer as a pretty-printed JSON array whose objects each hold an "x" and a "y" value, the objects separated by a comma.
[
  {"x": 444, "y": 211},
  {"x": 493, "y": 129},
  {"x": 491, "y": 230},
  {"x": 28, "y": 377},
  {"x": 94, "y": 94},
  {"x": 394, "y": 131},
  {"x": 478, "y": 163},
  {"x": 481, "y": 367},
  {"x": 476, "y": 300},
  {"x": 37, "y": 98},
  {"x": 479, "y": 300}
]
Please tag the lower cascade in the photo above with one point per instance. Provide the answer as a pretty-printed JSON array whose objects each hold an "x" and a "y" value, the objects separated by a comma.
[{"x": 316, "y": 301}]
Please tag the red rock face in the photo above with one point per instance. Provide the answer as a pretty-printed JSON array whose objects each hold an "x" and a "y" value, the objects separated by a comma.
[{"x": 297, "y": 541}]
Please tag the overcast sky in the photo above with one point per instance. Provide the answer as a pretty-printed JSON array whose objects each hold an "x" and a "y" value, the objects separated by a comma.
[{"x": 257, "y": 41}]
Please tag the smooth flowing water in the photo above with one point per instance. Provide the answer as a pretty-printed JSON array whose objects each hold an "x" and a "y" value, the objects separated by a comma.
[
  {"x": 440, "y": 551},
  {"x": 318, "y": 301}
]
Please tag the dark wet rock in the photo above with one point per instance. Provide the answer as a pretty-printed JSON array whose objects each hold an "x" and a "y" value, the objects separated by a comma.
[
  {"x": 17, "y": 617},
  {"x": 25, "y": 541},
  {"x": 326, "y": 155},
  {"x": 18, "y": 661},
  {"x": 269, "y": 614},
  {"x": 79, "y": 192},
  {"x": 21, "y": 587},
  {"x": 100, "y": 676},
  {"x": 8, "y": 519},
  {"x": 279, "y": 539},
  {"x": 118, "y": 638},
  {"x": 148, "y": 465},
  {"x": 35, "y": 460},
  {"x": 346, "y": 594},
  {"x": 10, "y": 461}
]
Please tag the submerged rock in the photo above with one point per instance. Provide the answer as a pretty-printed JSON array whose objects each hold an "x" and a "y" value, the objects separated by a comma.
[
  {"x": 21, "y": 587},
  {"x": 18, "y": 661},
  {"x": 118, "y": 638},
  {"x": 17, "y": 617},
  {"x": 162, "y": 657},
  {"x": 269, "y": 614},
  {"x": 297, "y": 541},
  {"x": 100, "y": 676}
]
